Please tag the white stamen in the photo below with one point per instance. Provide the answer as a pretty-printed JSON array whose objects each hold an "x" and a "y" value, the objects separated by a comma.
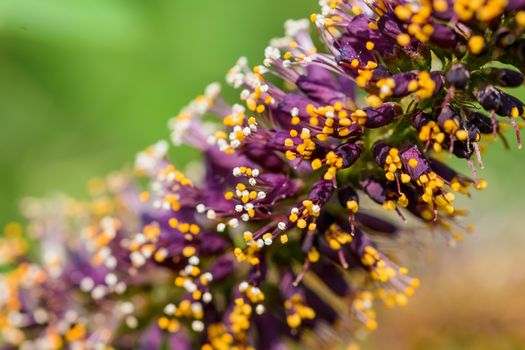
[
  {"x": 207, "y": 297},
  {"x": 197, "y": 326},
  {"x": 111, "y": 279},
  {"x": 127, "y": 307},
  {"x": 194, "y": 260},
  {"x": 259, "y": 309},
  {"x": 170, "y": 309},
  {"x": 233, "y": 222},
  {"x": 87, "y": 284},
  {"x": 132, "y": 322},
  {"x": 208, "y": 276},
  {"x": 243, "y": 286}
]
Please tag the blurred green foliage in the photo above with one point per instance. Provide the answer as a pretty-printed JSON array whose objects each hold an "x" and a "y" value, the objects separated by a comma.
[{"x": 87, "y": 83}]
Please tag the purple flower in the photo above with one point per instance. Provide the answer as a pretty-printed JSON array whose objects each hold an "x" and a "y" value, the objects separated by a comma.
[{"x": 288, "y": 194}]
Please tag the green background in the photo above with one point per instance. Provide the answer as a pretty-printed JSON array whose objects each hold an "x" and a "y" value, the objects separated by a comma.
[{"x": 85, "y": 84}]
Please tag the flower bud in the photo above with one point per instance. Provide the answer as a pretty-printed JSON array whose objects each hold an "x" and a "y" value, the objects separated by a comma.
[
  {"x": 385, "y": 114},
  {"x": 481, "y": 121},
  {"x": 414, "y": 162},
  {"x": 350, "y": 152},
  {"x": 458, "y": 76},
  {"x": 506, "y": 77},
  {"x": 444, "y": 36}
]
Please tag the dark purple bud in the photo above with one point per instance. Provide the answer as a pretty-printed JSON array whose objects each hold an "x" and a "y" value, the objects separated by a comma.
[
  {"x": 320, "y": 75},
  {"x": 458, "y": 76},
  {"x": 360, "y": 32},
  {"x": 463, "y": 150},
  {"x": 322, "y": 191},
  {"x": 348, "y": 86},
  {"x": 283, "y": 113},
  {"x": 277, "y": 138},
  {"x": 506, "y": 77},
  {"x": 402, "y": 81},
  {"x": 212, "y": 244},
  {"x": 380, "y": 72},
  {"x": 350, "y": 51},
  {"x": 493, "y": 99},
  {"x": 332, "y": 278},
  {"x": 222, "y": 268},
  {"x": 320, "y": 85},
  {"x": 414, "y": 162},
  {"x": 383, "y": 115},
  {"x": 375, "y": 189},
  {"x": 354, "y": 130},
  {"x": 510, "y": 106},
  {"x": 350, "y": 152},
  {"x": 323, "y": 311},
  {"x": 481, "y": 121},
  {"x": 380, "y": 151},
  {"x": 421, "y": 119},
  {"x": 270, "y": 331},
  {"x": 489, "y": 98},
  {"x": 317, "y": 92},
  {"x": 447, "y": 114},
  {"x": 439, "y": 81},
  {"x": 444, "y": 36},
  {"x": 390, "y": 26},
  {"x": 263, "y": 155},
  {"x": 283, "y": 186},
  {"x": 376, "y": 224}
]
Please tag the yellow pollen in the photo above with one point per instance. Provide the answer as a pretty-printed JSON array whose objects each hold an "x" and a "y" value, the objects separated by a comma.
[
  {"x": 403, "y": 39},
  {"x": 476, "y": 44},
  {"x": 412, "y": 163},
  {"x": 520, "y": 19}
]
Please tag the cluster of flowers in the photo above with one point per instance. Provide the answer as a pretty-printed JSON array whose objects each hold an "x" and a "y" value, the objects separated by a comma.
[{"x": 280, "y": 237}]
